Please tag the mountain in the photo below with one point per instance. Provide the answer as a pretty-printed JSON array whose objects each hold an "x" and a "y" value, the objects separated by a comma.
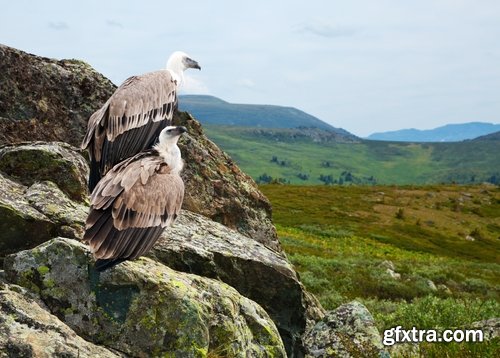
[
  {"x": 447, "y": 133},
  {"x": 495, "y": 136},
  {"x": 213, "y": 110}
]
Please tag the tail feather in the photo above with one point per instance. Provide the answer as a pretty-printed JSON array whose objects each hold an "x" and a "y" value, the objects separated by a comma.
[
  {"x": 95, "y": 174},
  {"x": 104, "y": 264}
]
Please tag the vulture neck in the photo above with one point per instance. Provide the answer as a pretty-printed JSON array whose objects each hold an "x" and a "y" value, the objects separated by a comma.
[
  {"x": 171, "y": 154},
  {"x": 176, "y": 71}
]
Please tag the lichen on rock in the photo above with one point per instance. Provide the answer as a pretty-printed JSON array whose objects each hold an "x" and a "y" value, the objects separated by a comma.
[
  {"x": 143, "y": 307},
  {"x": 348, "y": 331},
  {"x": 28, "y": 330},
  {"x": 218, "y": 189},
  {"x": 57, "y": 162},
  {"x": 21, "y": 225},
  {"x": 198, "y": 245}
]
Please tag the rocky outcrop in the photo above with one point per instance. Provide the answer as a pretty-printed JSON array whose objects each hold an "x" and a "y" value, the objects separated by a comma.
[
  {"x": 28, "y": 330},
  {"x": 57, "y": 162},
  {"x": 348, "y": 331},
  {"x": 51, "y": 100},
  {"x": 218, "y": 189},
  {"x": 197, "y": 245},
  {"x": 143, "y": 308},
  {"x": 47, "y": 99},
  {"x": 194, "y": 244},
  {"x": 31, "y": 215},
  {"x": 228, "y": 289}
]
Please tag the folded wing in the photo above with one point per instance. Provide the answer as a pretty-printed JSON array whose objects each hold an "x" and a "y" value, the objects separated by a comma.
[
  {"x": 130, "y": 121},
  {"x": 131, "y": 206}
]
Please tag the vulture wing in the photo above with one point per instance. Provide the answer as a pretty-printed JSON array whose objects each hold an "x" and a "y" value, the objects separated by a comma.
[
  {"x": 130, "y": 208},
  {"x": 130, "y": 121}
]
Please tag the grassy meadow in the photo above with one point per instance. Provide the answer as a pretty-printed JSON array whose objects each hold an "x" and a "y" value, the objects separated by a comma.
[
  {"x": 281, "y": 154},
  {"x": 442, "y": 240}
]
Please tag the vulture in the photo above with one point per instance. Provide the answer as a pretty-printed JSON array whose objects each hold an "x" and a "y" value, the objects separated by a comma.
[
  {"x": 135, "y": 201},
  {"x": 132, "y": 118}
]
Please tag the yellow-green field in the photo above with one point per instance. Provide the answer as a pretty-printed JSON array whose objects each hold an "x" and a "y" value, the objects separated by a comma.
[{"x": 340, "y": 239}]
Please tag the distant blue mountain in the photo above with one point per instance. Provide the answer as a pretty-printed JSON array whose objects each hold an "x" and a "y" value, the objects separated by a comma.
[
  {"x": 447, "y": 133},
  {"x": 213, "y": 110}
]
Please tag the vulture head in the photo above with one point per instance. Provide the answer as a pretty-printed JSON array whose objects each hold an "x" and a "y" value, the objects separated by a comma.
[{"x": 177, "y": 63}]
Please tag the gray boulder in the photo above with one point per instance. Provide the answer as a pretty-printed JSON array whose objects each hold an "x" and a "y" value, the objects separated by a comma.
[
  {"x": 144, "y": 308},
  {"x": 28, "y": 330},
  {"x": 52, "y": 100},
  {"x": 197, "y": 245},
  {"x": 21, "y": 225},
  {"x": 57, "y": 162},
  {"x": 218, "y": 189},
  {"x": 490, "y": 327},
  {"x": 47, "y": 99},
  {"x": 31, "y": 216},
  {"x": 348, "y": 331}
]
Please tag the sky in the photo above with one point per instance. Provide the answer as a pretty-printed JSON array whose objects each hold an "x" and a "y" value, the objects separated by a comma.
[{"x": 362, "y": 65}]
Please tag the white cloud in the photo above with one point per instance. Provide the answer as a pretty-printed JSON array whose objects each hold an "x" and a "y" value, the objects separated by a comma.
[
  {"x": 113, "y": 23},
  {"x": 328, "y": 31},
  {"x": 58, "y": 25},
  {"x": 246, "y": 82}
]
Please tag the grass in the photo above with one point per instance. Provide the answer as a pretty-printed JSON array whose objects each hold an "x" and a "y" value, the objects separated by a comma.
[
  {"x": 430, "y": 219},
  {"x": 342, "y": 240},
  {"x": 304, "y": 161}
]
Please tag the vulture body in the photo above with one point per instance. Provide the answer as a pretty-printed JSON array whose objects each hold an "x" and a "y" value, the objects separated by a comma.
[
  {"x": 135, "y": 201},
  {"x": 132, "y": 118}
]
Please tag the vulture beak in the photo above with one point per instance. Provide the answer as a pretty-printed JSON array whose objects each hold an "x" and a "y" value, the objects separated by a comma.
[
  {"x": 190, "y": 63},
  {"x": 181, "y": 129}
]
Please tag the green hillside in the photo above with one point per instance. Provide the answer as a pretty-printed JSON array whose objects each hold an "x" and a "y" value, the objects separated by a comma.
[
  {"x": 213, "y": 110},
  {"x": 286, "y": 156}
]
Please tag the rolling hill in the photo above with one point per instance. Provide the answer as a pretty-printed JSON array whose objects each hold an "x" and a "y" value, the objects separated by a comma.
[
  {"x": 281, "y": 155},
  {"x": 213, "y": 110},
  {"x": 447, "y": 133}
]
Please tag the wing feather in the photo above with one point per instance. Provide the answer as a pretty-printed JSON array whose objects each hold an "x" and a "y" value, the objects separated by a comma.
[
  {"x": 130, "y": 121},
  {"x": 131, "y": 206}
]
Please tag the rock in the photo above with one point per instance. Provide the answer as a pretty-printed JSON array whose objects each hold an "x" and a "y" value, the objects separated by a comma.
[
  {"x": 21, "y": 226},
  {"x": 387, "y": 264},
  {"x": 490, "y": 327},
  {"x": 57, "y": 162},
  {"x": 348, "y": 331},
  {"x": 27, "y": 330},
  {"x": 470, "y": 238},
  {"x": 52, "y": 100},
  {"x": 68, "y": 215},
  {"x": 393, "y": 274},
  {"x": 197, "y": 245},
  {"x": 443, "y": 288},
  {"x": 47, "y": 99},
  {"x": 218, "y": 189},
  {"x": 31, "y": 216},
  {"x": 431, "y": 285},
  {"x": 144, "y": 308}
]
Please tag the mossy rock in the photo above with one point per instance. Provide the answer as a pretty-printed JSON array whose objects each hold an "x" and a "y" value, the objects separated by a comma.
[
  {"x": 57, "y": 162},
  {"x": 143, "y": 308},
  {"x": 348, "y": 331},
  {"x": 195, "y": 244},
  {"x": 28, "y": 330},
  {"x": 46, "y": 99},
  {"x": 21, "y": 226}
]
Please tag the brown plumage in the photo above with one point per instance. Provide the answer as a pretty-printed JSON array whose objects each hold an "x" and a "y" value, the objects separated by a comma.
[
  {"x": 135, "y": 201},
  {"x": 133, "y": 117}
]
